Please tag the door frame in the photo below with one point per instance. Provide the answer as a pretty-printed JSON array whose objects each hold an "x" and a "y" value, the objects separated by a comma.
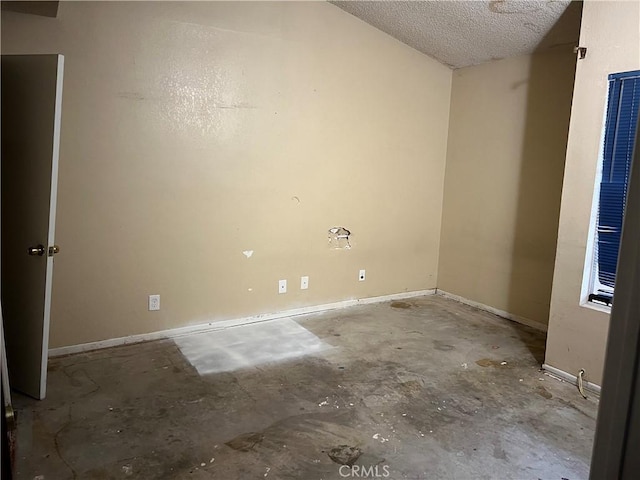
[{"x": 51, "y": 235}]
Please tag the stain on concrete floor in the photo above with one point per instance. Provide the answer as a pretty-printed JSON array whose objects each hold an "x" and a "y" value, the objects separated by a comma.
[
  {"x": 422, "y": 412},
  {"x": 403, "y": 305},
  {"x": 344, "y": 454},
  {"x": 245, "y": 442},
  {"x": 487, "y": 362}
]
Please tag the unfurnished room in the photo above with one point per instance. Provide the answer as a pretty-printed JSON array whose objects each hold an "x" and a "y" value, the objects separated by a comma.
[{"x": 320, "y": 240}]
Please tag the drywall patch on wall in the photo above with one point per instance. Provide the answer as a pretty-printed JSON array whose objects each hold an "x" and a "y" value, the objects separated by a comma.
[
  {"x": 248, "y": 253},
  {"x": 339, "y": 238},
  {"x": 248, "y": 346}
]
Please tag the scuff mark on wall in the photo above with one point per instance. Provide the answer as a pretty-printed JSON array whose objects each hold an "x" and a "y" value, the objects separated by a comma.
[
  {"x": 131, "y": 95},
  {"x": 519, "y": 83},
  {"x": 339, "y": 238},
  {"x": 234, "y": 105}
]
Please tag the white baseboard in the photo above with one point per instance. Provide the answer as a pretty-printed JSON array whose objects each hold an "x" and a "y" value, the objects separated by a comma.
[
  {"x": 573, "y": 379},
  {"x": 501, "y": 313},
  {"x": 224, "y": 324}
]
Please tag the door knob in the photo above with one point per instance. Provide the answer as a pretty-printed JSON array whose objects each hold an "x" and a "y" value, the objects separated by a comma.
[
  {"x": 53, "y": 250},
  {"x": 39, "y": 250}
]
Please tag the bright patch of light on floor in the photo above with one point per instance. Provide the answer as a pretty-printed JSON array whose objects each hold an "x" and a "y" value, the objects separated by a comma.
[{"x": 248, "y": 345}]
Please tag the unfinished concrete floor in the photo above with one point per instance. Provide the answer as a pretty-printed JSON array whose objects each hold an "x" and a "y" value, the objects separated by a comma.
[{"x": 419, "y": 386}]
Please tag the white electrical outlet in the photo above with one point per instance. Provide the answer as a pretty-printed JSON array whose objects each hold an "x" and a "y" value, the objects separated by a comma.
[
  {"x": 282, "y": 286},
  {"x": 361, "y": 276},
  {"x": 154, "y": 302},
  {"x": 304, "y": 283}
]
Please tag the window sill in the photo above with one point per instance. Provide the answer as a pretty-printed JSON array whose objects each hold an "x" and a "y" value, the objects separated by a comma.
[{"x": 597, "y": 307}]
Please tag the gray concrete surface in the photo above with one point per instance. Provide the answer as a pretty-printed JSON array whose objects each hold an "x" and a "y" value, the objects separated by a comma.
[{"x": 425, "y": 388}]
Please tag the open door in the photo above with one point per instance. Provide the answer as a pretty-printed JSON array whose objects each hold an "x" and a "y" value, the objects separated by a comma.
[{"x": 31, "y": 114}]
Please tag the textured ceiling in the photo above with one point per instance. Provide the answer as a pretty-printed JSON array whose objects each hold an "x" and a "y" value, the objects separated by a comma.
[{"x": 464, "y": 33}]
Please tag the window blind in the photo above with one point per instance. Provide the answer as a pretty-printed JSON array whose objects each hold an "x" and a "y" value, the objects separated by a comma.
[{"x": 620, "y": 129}]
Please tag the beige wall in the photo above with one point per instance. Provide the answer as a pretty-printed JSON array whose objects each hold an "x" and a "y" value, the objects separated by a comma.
[
  {"x": 193, "y": 132},
  {"x": 577, "y": 334},
  {"x": 507, "y": 143}
]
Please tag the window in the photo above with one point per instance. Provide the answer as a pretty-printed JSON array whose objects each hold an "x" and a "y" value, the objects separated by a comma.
[{"x": 619, "y": 136}]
